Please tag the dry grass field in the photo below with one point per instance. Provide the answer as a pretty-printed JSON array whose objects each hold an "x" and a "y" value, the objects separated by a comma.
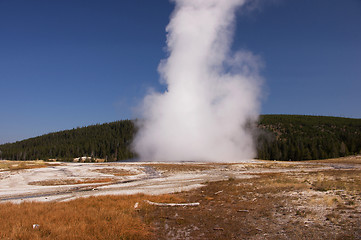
[
  {"x": 179, "y": 167},
  {"x": 281, "y": 200},
  {"x": 115, "y": 172},
  {"x": 18, "y": 165},
  {"x": 70, "y": 181},
  {"x": 109, "y": 217}
]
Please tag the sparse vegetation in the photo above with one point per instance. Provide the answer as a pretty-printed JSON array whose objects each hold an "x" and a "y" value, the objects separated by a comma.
[
  {"x": 271, "y": 206},
  {"x": 345, "y": 180},
  {"x": 70, "y": 181},
  {"x": 178, "y": 167},
  {"x": 18, "y": 165},
  {"x": 115, "y": 171}
]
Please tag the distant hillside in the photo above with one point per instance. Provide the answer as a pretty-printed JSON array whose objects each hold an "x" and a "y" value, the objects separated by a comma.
[
  {"x": 110, "y": 141},
  {"x": 280, "y": 137},
  {"x": 296, "y": 137}
]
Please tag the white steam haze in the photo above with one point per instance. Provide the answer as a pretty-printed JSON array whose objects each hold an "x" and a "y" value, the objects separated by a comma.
[{"x": 211, "y": 93}]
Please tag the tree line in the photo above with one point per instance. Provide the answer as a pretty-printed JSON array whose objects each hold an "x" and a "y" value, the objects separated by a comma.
[
  {"x": 109, "y": 141},
  {"x": 296, "y": 137},
  {"x": 277, "y": 137}
]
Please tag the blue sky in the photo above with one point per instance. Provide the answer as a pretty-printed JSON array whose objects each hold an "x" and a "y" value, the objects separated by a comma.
[{"x": 65, "y": 64}]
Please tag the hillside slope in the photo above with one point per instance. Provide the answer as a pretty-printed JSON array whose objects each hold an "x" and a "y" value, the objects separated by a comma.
[
  {"x": 279, "y": 137},
  {"x": 110, "y": 141},
  {"x": 296, "y": 137}
]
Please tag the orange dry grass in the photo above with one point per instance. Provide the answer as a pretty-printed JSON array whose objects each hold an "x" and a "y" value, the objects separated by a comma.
[
  {"x": 344, "y": 160},
  {"x": 115, "y": 171},
  {"x": 108, "y": 217},
  {"x": 55, "y": 182},
  {"x": 6, "y": 165},
  {"x": 171, "y": 167}
]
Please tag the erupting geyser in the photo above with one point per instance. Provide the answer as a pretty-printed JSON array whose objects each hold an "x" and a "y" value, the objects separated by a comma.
[{"x": 212, "y": 94}]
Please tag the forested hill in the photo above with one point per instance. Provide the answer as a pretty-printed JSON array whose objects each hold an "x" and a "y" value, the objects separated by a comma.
[
  {"x": 280, "y": 137},
  {"x": 296, "y": 137},
  {"x": 110, "y": 141}
]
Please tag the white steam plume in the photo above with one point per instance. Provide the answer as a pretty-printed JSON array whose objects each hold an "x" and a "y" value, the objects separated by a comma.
[{"x": 211, "y": 94}]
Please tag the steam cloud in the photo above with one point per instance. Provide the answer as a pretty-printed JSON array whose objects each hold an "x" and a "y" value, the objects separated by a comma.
[{"x": 212, "y": 94}]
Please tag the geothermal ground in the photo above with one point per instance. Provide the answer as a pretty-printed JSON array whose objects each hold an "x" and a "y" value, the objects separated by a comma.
[{"x": 252, "y": 200}]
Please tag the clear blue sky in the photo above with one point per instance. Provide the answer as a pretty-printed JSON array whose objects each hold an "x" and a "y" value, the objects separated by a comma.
[{"x": 70, "y": 63}]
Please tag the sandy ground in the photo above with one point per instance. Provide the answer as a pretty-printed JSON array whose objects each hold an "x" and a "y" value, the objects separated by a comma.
[{"x": 66, "y": 181}]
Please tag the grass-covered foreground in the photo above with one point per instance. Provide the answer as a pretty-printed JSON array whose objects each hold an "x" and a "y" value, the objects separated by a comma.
[
  {"x": 109, "y": 217},
  {"x": 306, "y": 200}
]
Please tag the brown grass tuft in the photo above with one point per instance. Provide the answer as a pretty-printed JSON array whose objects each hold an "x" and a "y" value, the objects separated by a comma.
[
  {"x": 180, "y": 167},
  {"x": 115, "y": 171},
  {"x": 343, "y": 160},
  {"x": 348, "y": 180},
  {"x": 55, "y": 182}
]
